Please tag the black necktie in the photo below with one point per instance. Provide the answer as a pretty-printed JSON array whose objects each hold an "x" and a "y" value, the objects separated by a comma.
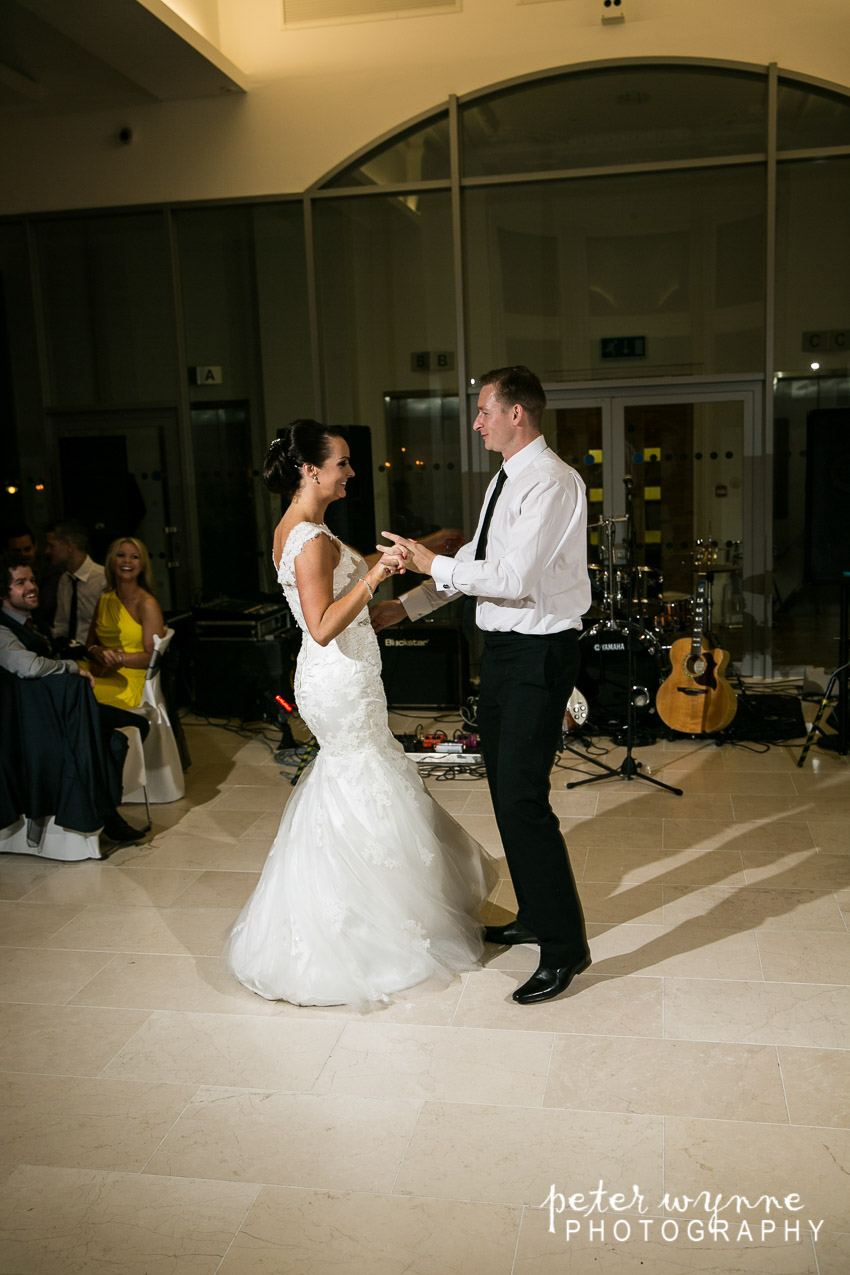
[
  {"x": 72, "y": 614},
  {"x": 481, "y": 547}
]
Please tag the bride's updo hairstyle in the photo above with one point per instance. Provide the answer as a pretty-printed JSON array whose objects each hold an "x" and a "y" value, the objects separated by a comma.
[{"x": 304, "y": 442}]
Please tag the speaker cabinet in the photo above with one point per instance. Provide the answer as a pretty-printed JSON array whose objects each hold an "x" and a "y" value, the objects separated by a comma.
[
  {"x": 425, "y": 665},
  {"x": 233, "y": 678},
  {"x": 828, "y": 495}
]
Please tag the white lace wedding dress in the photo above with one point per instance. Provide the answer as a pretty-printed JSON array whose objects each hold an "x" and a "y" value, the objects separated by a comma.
[{"x": 370, "y": 887}]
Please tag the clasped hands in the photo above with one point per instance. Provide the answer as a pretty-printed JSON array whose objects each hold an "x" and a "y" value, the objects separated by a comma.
[
  {"x": 405, "y": 555},
  {"x": 106, "y": 657}
]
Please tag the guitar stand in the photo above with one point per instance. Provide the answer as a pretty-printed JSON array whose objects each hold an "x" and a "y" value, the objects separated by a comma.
[{"x": 816, "y": 724}]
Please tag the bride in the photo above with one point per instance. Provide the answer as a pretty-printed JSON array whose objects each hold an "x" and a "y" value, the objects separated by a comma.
[{"x": 370, "y": 887}]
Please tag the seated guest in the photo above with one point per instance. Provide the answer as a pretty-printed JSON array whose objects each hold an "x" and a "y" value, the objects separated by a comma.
[
  {"x": 27, "y": 652},
  {"x": 20, "y": 539},
  {"x": 81, "y": 584},
  {"x": 128, "y": 618}
]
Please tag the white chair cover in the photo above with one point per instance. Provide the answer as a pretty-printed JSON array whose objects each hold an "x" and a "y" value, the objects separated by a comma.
[
  {"x": 53, "y": 842},
  {"x": 165, "y": 781}
]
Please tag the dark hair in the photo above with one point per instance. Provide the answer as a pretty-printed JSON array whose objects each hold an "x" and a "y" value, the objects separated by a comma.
[
  {"x": 517, "y": 385},
  {"x": 8, "y": 562},
  {"x": 73, "y": 531},
  {"x": 304, "y": 442},
  {"x": 17, "y": 530}
]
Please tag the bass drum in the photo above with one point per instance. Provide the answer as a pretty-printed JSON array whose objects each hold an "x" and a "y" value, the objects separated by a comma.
[{"x": 604, "y": 674}]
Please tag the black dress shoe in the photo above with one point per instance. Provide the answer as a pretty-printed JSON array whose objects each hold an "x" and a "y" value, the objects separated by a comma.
[
  {"x": 507, "y": 935},
  {"x": 548, "y": 981},
  {"x": 118, "y": 829}
]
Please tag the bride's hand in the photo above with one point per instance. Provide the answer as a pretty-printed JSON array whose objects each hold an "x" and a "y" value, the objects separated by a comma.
[
  {"x": 415, "y": 555},
  {"x": 392, "y": 560}
]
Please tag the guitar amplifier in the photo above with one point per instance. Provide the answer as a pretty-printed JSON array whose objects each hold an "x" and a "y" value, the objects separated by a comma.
[
  {"x": 231, "y": 620},
  {"x": 240, "y": 678},
  {"x": 425, "y": 665}
]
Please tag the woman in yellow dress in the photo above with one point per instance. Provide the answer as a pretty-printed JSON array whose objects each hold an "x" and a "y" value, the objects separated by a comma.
[{"x": 127, "y": 620}]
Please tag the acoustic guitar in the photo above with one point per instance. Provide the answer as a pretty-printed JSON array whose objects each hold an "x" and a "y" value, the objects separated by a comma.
[{"x": 696, "y": 698}]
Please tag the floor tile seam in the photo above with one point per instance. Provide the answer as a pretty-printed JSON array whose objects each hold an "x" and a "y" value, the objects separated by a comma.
[
  {"x": 520, "y": 1224},
  {"x": 441, "y": 1027},
  {"x": 787, "y": 982},
  {"x": 758, "y": 927},
  {"x": 695, "y": 978},
  {"x": 342, "y": 1027},
  {"x": 751, "y": 1043},
  {"x": 178, "y": 1117},
  {"x": 314, "y": 1188},
  {"x": 82, "y": 1075},
  {"x": 767, "y": 1124},
  {"x": 249, "y": 1206},
  {"x": 347, "y": 1096},
  {"x": 29, "y": 951},
  {"x": 464, "y": 984},
  {"x": 782, "y": 1083},
  {"x": 407, "y": 1145},
  {"x": 111, "y": 951},
  {"x": 667, "y": 1114}
]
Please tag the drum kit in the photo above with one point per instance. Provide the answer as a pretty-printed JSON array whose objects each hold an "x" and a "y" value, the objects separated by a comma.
[{"x": 630, "y": 628}]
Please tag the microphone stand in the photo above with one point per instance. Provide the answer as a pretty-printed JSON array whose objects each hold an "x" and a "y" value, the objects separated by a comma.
[{"x": 629, "y": 768}]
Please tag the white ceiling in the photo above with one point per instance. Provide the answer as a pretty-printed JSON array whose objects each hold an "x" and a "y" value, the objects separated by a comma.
[{"x": 60, "y": 56}]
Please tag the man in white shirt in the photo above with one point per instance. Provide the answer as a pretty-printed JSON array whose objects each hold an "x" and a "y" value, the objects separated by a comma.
[
  {"x": 527, "y": 567},
  {"x": 82, "y": 584}
]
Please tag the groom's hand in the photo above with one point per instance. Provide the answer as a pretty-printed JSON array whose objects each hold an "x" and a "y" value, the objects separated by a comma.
[
  {"x": 384, "y": 614},
  {"x": 416, "y": 556}
]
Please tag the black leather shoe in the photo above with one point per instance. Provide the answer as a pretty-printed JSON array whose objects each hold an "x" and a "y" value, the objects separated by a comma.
[
  {"x": 547, "y": 982},
  {"x": 118, "y": 829},
  {"x": 508, "y": 935}
]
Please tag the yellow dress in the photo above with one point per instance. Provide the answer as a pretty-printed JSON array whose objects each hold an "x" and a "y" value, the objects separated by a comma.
[{"x": 116, "y": 628}]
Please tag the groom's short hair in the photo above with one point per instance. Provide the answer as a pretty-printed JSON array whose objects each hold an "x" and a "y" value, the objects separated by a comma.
[{"x": 517, "y": 384}]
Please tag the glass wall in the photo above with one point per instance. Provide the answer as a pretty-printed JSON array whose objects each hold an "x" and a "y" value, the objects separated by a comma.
[
  {"x": 812, "y": 353},
  {"x": 386, "y": 306},
  {"x": 244, "y": 300},
  {"x": 23, "y": 466},
  {"x": 615, "y": 115},
  {"x": 613, "y": 225},
  {"x": 558, "y": 273},
  {"x": 108, "y": 309}
]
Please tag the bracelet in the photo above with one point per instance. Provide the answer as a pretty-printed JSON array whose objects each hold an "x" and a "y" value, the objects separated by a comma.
[
  {"x": 368, "y": 586},
  {"x": 121, "y": 658}
]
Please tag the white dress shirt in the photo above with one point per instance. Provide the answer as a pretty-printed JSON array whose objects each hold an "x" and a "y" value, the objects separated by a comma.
[
  {"x": 92, "y": 582},
  {"x": 534, "y": 578}
]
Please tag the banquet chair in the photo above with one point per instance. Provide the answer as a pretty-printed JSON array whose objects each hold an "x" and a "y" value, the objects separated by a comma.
[
  {"x": 165, "y": 781},
  {"x": 135, "y": 775}
]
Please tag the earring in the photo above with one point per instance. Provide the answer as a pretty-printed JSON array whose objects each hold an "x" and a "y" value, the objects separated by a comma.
[{"x": 315, "y": 478}]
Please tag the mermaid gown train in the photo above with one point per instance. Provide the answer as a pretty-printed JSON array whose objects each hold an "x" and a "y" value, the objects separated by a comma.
[{"x": 370, "y": 887}]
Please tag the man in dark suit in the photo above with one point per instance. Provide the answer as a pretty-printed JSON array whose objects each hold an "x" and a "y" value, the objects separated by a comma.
[
  {"x": 27, "y": 652},
  {"x": 527, "y": 567}
]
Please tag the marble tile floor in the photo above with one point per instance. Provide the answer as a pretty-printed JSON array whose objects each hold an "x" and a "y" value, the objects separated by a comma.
[{"x": 159, "y": 1119}]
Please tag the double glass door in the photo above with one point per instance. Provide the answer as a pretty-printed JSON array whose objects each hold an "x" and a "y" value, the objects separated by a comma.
[{"x": 676, "y": 505}]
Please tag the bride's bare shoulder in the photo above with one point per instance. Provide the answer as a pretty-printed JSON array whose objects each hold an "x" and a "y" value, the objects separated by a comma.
[{"x": 324, "y": 544}]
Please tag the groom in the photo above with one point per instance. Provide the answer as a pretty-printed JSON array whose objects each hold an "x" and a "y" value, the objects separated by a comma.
[{"x": 527, "y": 567}]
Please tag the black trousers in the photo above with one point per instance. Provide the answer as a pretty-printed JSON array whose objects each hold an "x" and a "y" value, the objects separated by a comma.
[{"x": 525, "y": 685}]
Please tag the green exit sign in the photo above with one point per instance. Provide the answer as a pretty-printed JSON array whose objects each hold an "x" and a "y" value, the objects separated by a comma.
[{"x": 623, "y": 347}]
